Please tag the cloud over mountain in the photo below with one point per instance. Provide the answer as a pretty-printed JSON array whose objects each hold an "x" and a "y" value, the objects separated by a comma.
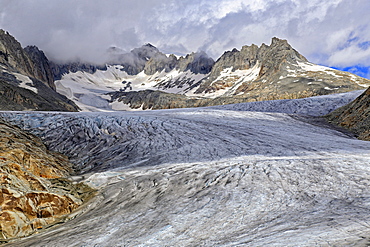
[{"x": 326, "y": 32}]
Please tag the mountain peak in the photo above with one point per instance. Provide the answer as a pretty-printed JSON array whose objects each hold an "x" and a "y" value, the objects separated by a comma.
[
  {"x": 149, "y": 45},
  {"x": 277, "y": 41}
]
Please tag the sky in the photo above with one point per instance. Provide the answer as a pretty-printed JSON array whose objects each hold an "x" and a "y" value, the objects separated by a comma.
[{"x": 333, "y": 33}]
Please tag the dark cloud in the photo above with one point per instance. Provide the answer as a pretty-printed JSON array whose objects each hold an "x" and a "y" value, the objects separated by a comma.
[{"x": 333, "y": 32}]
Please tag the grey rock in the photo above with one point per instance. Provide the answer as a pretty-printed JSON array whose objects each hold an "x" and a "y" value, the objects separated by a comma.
[
  {"x": 13, "y": 56},
  {"x": 41, "y": 69},
  {"x": 272, "y": 59},
  {"x": 150, "y": 99},
  {"x": 160, "y": 62},
  {"x": 198, "y": 63},
  {"x": 15, "y": 98},
  {"x": 32, "y": 64},
  {"x": 134, "y": 62}
]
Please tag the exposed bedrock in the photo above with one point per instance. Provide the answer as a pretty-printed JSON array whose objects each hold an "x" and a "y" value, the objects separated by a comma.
[{"x": 34, "y": 189}]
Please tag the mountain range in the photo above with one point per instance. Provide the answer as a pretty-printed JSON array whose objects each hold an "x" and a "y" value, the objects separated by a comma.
[{"x": 146, "y": 78}]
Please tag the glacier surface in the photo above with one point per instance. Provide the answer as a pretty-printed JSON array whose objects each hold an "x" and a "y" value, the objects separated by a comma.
[{"x": 228, "y": 175}]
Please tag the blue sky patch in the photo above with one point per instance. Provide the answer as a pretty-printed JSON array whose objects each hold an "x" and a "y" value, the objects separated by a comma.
[{"x": 357, "y": 70}]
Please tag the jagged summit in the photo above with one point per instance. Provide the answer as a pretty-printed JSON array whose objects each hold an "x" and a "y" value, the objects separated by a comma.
[
  {"x": 270, "y": 60},
  {"x": 149, "y": 45},
  {"x": 149, "y": 59}
]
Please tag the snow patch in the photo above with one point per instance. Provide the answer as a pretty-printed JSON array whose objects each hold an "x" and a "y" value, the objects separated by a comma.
[
  {"x": 26, "y": 82},
  {"x": 231, "y": 80}
]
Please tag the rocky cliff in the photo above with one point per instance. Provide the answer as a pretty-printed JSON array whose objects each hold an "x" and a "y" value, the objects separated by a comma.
[
  {"x": 355, "y": 116},
  {"x": 40, "y": 67},
  {"x": 29, "y": 61},
  {"x": 13, "y": 56},
  {"x": 34, "y": 189},
  {"x": 27, "y": 80}
]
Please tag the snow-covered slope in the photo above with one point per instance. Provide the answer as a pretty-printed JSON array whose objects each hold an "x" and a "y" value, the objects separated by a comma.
[
  {"x": 89, "y": 91},
  {"x": 208, "y": 177}
]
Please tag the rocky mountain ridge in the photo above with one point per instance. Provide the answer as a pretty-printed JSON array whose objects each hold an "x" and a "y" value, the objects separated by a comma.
[
  {"x": 269, "y": 58},
  {"x": 146, "y": 58},
  {"x": 268, "y": 72},
  {"x": 277, "y": 71},
  {"x": 26, "y": 79}
]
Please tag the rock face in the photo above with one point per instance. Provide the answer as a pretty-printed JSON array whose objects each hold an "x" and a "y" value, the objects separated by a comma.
[
  {"x": 198, "y": 63},
  {"x": 26, "y": 79},
  {"x": 12, "y": 54},
  {"x": 29, "y": 61},
  {"x": 270, "y": 59},
  {"x": 41, "y": 68},
  {"x": 355, "y": 116},
  {"x": 34, "y": 191},
  {"x": 134, "y": 62},
  {"x": 151, "y": 99}
]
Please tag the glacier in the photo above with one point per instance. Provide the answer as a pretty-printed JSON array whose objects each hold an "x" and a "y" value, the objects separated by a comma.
[{"x": 253, "y": 174}]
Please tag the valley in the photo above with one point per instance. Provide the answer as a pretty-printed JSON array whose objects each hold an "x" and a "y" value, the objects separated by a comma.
[{"x": 154, "y": 149}]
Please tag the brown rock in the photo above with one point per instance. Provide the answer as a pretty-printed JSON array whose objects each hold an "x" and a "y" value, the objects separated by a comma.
[
  {"x": 355, "y": 116},
  {"x": 33, "y": 193}
]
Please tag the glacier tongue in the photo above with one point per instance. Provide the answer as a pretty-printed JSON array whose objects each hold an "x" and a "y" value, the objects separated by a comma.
[{"x": 208, "y": 176}]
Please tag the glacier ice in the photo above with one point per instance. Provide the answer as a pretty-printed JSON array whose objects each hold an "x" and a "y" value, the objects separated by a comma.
[{"x": 213, "y": 176}]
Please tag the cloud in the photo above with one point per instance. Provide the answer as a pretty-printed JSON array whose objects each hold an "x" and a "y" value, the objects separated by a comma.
[{"x": 333, "y": 32}]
